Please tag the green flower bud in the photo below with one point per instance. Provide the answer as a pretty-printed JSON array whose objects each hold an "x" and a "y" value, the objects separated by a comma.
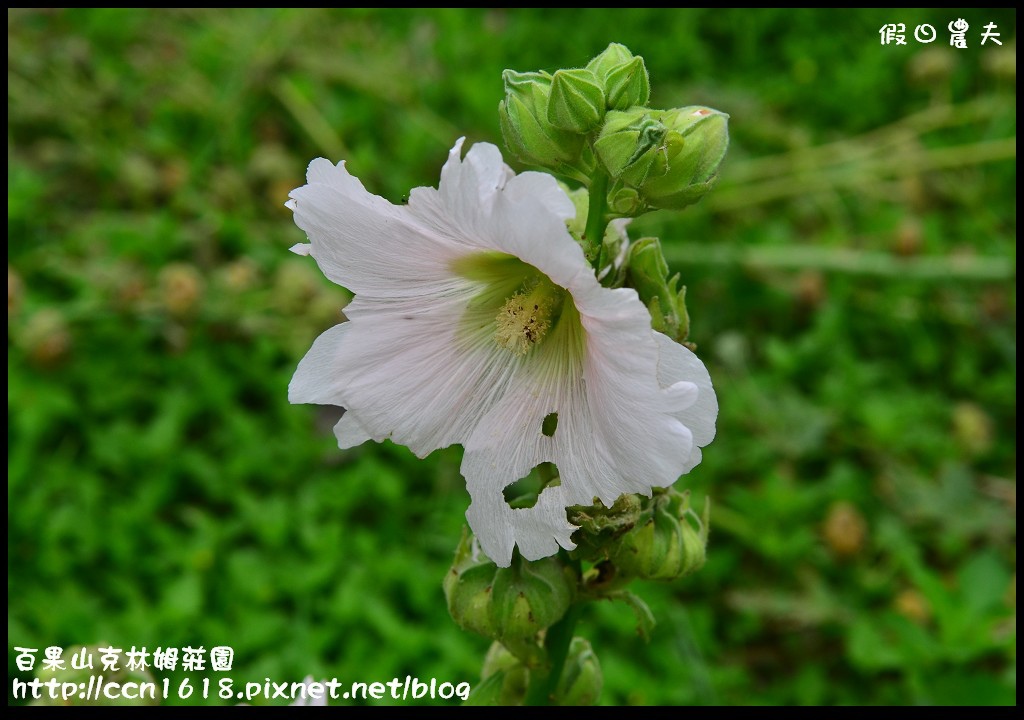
[
  {"x": 529, "y": 597},
  {"x": 652, "y": 550},
  {"x": 581, "y": 680},
  {"x": 498, "y": 659},
  {"x": 614, "y": 56},
  {"x": 695, "y": 539},
  {"x": 505, "y": 679},
  {"x": 694, "y": 148},
  {"x": 625, "y": 78},
  {"x": 468, "y": 588},
  {"x": 648, "y": 267},
  {"x": 631, "y": 145},
  {"x": 525, "y": 127},
  {"x": 625, "y": 200},
  {"x": 511, "y": 605},
  {"x": 628, "y": 85},
  {"x": 647, "y": 273},
  {"x": 491, "y": 692},
  {"x": 577, "y": 101},
  {"x": 663, "y": 545},
  {"x": 611, "y": 258},
  {"x": 577, "y": 225}
]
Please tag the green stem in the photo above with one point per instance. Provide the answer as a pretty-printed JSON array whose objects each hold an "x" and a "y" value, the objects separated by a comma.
[
  {"x": 556, "y": 643},
  {"x": 597, "y": 215}
]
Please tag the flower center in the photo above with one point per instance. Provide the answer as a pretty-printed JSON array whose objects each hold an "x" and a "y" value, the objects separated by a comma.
[
  {"x": 525, "y": 318},
  {"x": 515, "y": 304}
]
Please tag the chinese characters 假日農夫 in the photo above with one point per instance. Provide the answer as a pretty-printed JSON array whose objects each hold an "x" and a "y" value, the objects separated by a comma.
[{"x": 896, "y": 33}]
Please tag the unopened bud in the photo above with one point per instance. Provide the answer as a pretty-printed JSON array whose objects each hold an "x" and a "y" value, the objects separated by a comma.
[
  {"x": 625, "y": 78},
  {"x": 510, "y": 604},
  {"x": 695, "y": 537},
  {"x": 582, "y": 679},
  {"x": 468, "y": 587},
  {"x": 505, "y": 679},
  {"x": 628, "y": 85},
  {"x": 664, "y": 545},
  {"x": 612, "y": 57},
  {"x": 577, "y": 101},
  {"x": 530, "y": 596},
  {"x": 630, "y": 144},
  {"x": 577, "y": 224},
  {"x": 625, "y": 201},
  {"x": 647, "y": 272},
  {"x": 694, "y": 148},
  {"x": 652, "y": 550},
  {"x": 529, "y": 136}
]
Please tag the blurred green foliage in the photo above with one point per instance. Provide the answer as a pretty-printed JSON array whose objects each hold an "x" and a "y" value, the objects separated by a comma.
[{"x": 852, "y": 285}]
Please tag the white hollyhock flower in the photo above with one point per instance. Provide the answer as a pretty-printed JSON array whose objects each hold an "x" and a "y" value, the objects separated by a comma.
[{"x": 475, "y": 317}]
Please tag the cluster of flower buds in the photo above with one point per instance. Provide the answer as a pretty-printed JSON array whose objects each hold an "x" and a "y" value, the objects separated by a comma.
[
  {"x": 534, "y": 139},
  {"x": 511, "y": 605},
  {"x": 661, "y": 159},
  {"x": 583, "y": 121}
]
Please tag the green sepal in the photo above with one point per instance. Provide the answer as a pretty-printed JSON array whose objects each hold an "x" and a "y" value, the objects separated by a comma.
[{"x": 577, "y": 102}]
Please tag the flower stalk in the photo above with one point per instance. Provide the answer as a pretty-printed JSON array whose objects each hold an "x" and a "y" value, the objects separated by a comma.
[
  {"x": 556, "y": 643},
  {"x": 488, "y": 312},
  {"x": 597, "y": 215}
]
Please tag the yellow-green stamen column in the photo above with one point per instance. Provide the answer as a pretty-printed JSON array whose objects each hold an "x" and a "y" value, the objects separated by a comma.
[{"x": 525, "y": 318}]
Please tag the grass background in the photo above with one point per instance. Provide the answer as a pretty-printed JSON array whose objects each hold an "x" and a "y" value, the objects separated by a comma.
[{"x": 852, "y": 288}]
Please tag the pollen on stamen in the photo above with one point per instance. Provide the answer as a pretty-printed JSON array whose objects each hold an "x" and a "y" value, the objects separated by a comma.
[{"x": 523, "y": 321}]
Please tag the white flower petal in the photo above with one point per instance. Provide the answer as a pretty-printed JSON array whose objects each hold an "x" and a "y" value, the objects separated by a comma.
[
  {"x": 678, "y": 364},
  {"x": 538, "y": 531},
  {"x": 532, "y": 227},
  {"x": 349, "y": 432},
  {"x": 405, "y": 373},
  {"x": 316, "y": 379},
  {"x": 461, "y": 204},
  {"x": 366, "y": 244},
  {"x": 523, "y": 216},
  {"x": 533, "y": 187}
]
